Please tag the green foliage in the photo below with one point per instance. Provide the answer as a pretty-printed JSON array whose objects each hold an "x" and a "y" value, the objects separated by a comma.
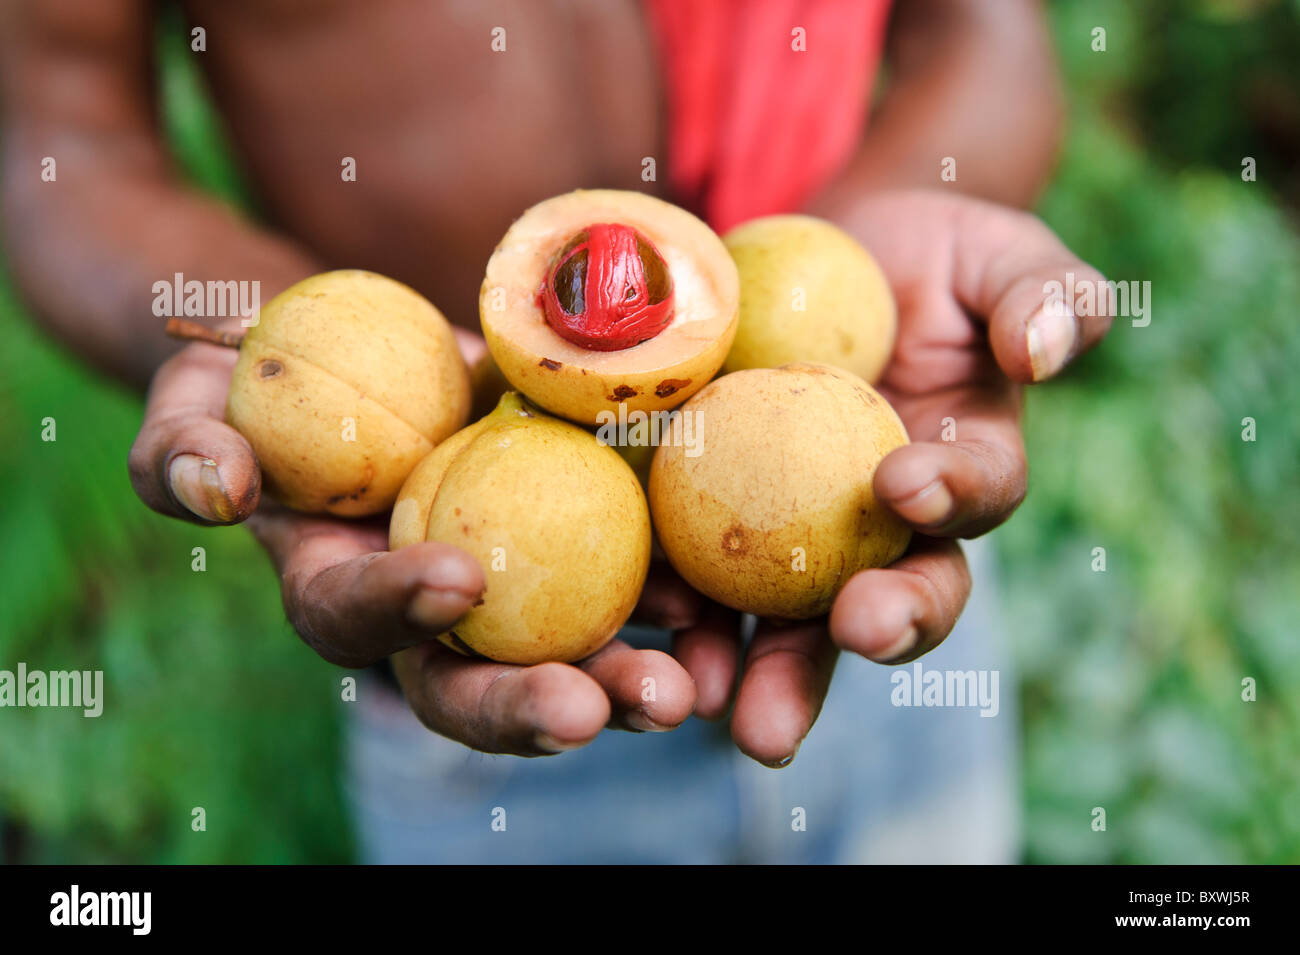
[{"x": 1133, "y": 677}]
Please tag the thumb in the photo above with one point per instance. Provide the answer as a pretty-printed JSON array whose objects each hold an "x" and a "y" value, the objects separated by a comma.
[{"x": 186, "y": 462}]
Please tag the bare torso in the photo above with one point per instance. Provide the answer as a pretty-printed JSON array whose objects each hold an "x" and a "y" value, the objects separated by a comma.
[{"x": 451, "y": 138}]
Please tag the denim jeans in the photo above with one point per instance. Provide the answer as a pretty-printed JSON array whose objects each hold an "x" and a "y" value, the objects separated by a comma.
[{"x": 873, "y": 782}]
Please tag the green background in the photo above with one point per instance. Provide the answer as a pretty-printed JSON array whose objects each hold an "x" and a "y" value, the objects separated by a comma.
[{"x": 1132, "y": 692}]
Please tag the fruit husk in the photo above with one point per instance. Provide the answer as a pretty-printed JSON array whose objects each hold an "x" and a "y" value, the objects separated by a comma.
[
  {"x": 848, "y": 318},
  {"x": 557, "y": 520},
  {"x": 347, "y": 381},
  {"x": 777, "y": 512}
]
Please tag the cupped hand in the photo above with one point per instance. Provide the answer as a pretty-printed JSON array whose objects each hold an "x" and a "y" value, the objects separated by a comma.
[
  {"x": 354, "y": 602},
  {"x": 971, "y": 282}
]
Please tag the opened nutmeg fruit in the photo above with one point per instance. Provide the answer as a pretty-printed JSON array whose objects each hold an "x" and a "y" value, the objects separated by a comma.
[{"x": 598, "y": 298}]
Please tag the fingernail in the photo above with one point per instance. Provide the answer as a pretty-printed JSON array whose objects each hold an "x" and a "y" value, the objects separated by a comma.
[
  {"x": 929, "y": 506},
  {"x": 902, "y": 645},
  {"x": 639, "y": 721},
  {"x": 785, "y": 761},
  {"x": 548, "y": 743},
  {"x": 1051, "y": 333},
  {"x": 196, "y": 483},
  {"x": 434, "y": 609}
]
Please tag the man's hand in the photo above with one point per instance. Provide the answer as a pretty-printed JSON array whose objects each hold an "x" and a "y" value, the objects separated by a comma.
[
  {"x": 354, "y": 602},
  {"x": 970, "y": 281}
]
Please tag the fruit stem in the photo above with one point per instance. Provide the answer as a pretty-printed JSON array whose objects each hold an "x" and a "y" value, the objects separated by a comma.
[
  {"x": 194, "y": 332},
  {"x": 512, "y": 402}
]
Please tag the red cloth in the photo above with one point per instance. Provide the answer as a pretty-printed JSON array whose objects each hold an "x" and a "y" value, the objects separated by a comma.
[{"x": 756, "y": 127}]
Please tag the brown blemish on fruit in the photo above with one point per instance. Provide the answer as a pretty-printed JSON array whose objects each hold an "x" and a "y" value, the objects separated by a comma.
[
  {"x": 360, "y": 492},
  {"x": 353, "y": 496},
  {"x": 733, "y": 541},
  {"x": 270, "y": 368},
  {"x": 551, "y": 364},
  {"x": 623, "y": 392},
  {"x": 868, "y": 398},
  {"x": 670, "y": 385}
]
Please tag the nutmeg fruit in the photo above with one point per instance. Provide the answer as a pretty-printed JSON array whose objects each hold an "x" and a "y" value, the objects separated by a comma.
[
  {"x": 809, "y": 292},
  {"x": 557, "y": 520},
  {"x": 347, "y": 380},
  {"x": 775, "y": 511}
]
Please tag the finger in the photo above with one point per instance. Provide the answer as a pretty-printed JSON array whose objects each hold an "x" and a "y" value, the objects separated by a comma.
[
  {"x": 957, "y": 488},
  {"x": 710, "y": 652},
  {"x": 666, "y": 600},
  {"x": 500, "y": 708},
  {"x": 355, "y": 603},
  {"x": 648, "y": 690},
  {"x": 186, "y": 462},
  {"x": 787, "y": 673},
  {"x": 894, "y": 614},
  {"x": 1012, "y": 270}
]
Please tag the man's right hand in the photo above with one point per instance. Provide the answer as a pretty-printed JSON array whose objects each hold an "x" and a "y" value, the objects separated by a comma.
[{"x": 354, "y": 602}]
